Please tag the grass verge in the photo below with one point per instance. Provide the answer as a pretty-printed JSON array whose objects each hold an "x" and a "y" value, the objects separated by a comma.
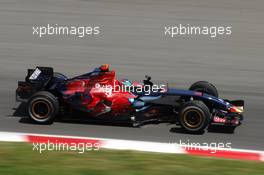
[{"x": 20, "y": 159}]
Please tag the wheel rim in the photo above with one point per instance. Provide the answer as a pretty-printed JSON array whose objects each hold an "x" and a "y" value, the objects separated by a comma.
[
  {"x": 40, "y": 109},
  {"x": 192, "y": 118}
]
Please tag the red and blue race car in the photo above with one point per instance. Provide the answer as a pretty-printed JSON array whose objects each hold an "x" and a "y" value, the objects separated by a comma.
[{"x": 99, "y": 95}]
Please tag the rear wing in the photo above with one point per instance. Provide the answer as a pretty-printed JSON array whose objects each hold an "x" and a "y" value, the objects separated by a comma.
[
  {"x": 36, "y": 80},
  {"x": 40, "y": 74}
]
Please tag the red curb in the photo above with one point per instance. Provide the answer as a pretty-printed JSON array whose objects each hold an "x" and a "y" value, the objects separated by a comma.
[{"x": 225, "y": 154}]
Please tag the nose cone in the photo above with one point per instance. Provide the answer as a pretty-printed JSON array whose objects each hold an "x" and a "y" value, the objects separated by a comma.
[{"x": 237, "y": 109}]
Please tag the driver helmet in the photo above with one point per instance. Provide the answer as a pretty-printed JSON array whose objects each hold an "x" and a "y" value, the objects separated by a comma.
[{"x": 126, "y": 82}]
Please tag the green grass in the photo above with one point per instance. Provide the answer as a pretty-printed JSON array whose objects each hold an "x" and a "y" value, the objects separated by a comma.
[{"x": 19, "y": 159}]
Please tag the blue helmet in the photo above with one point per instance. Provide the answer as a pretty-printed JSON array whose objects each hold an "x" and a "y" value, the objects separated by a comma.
[{"x": 126, "y": 82}]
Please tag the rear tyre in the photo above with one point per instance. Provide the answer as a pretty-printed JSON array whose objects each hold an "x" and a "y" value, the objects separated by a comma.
[
  {"x": 194, "y": 116},
  {"x": 204, "y": 87},
  {"x": 43, "y": 107}
]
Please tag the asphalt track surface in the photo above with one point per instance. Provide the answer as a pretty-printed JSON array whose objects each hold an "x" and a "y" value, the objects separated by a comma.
[{"x": 132, "y": 40}]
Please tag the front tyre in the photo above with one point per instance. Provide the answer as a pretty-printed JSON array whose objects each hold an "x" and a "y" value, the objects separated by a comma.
[
  {"x": 194, "y": 116},
  {"x": 204, "y": 87},
  {"x": 43, "y": 107}
]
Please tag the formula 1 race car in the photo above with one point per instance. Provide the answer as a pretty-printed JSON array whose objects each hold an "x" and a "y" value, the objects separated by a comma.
[{"x": 99, "y": 95}]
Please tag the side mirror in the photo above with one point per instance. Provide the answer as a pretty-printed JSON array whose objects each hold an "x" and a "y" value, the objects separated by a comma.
[
  {"x": 148, "y": 77},
  {"x": 147, "y": 81}
]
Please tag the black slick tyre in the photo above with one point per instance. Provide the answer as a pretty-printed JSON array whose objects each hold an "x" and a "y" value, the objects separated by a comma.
[
  {"x": 43, "y": 107},
  {"x": 204, "y": 87},
  {"x": 194, "y": 116}
]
